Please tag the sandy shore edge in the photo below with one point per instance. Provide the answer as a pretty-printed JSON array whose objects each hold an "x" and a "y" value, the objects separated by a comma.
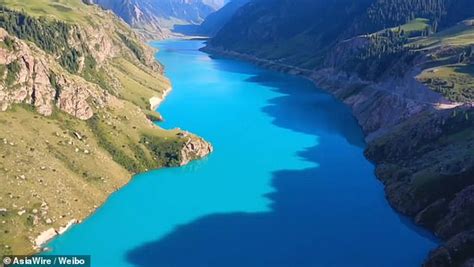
[
  {"x": 51, "y": 233},
  {"x": 156, "y": 101}
]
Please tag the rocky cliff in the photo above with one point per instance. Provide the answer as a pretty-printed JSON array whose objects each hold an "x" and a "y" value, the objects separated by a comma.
[
  {"x": 75, "y": 90},
  {"x": 27, "y": 78}
]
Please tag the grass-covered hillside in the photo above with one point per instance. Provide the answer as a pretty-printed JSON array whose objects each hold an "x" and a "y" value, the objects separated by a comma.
[
  {"x": 368, "y": 37},
  {"x": 75, "y": 120},
  {"x": 450, "y": 69},
  {"x": 444, "y": 58},
  {"x": 296, "y": 32}
]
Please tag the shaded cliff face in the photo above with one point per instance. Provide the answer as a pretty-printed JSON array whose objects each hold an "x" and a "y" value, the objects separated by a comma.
[
  {"x": 405, "y": 68},
  {"x": 427, "y": 167},
  {"x": 290, "y": 31},
  {"x": 156, "y": 18},
  {"x": 75, "y": 90},
  {"x": 426, "y": 177},
  {"x": 215, "y": 21}
]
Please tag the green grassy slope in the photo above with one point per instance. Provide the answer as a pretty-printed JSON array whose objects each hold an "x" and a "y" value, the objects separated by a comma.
[
  {"x": 310, "y": 34},
  {"x": 60, "y": 168},
  {"x": 450, "y": 70}
]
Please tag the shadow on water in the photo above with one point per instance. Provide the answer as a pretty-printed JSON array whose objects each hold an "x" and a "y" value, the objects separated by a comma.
[
  {"x": 314, "y": 111},
  {"x": 308, "y": 224}
]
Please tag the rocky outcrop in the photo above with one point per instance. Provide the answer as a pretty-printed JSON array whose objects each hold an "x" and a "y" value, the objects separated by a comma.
[
  {"x": 48, "y": 77},
  {"x": 194, "y": 148},
  {"x": 28, "y": 78},
  {"x": 74, "y": 98}
]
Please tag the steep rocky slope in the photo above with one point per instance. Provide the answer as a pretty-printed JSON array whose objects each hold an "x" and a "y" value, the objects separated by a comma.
[
  {"x": 405, "y": 69},
  {"x": 77, "y": 93}
]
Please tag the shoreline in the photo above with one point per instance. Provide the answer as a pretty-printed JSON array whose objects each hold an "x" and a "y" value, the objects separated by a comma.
[
  {"x": 156, "y": 101},
  {"x": 41, "y": 241},
  {"x": 52, "y": 233},
  {"x": 341, "y": 84},
  {"x": 335, "y": 85}
]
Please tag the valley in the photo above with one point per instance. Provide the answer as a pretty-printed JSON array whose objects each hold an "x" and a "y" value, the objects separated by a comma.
[{"x": 337, "y": 83}]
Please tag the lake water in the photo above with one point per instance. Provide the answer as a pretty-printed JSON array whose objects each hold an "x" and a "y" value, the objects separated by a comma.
[{"x": 287, "y": 185}]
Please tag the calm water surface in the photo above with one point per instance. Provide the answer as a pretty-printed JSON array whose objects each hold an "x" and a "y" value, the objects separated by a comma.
[{"x": 286, "y": 186}]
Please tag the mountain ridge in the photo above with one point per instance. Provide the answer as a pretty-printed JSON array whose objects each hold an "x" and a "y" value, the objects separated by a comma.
[{"x": 214, "y": 22}]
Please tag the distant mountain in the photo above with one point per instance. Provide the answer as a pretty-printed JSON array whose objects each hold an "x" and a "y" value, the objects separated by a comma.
[
  {"x": 155, "y": 18},
  {"x": 216, "y": 3},
  {"x": 214, "y": 22}
]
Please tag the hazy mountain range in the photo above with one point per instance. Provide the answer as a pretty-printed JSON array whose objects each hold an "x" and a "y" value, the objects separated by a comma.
[{"x": 156, "y": 18}]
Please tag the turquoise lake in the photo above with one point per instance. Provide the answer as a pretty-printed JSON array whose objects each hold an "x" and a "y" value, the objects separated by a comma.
[{"x": 287, "y": 185}]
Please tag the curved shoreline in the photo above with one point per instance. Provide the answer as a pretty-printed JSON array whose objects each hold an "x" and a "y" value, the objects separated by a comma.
[
  {"x": 41, "y": 241},
  {"x": 355, "y": 93}
]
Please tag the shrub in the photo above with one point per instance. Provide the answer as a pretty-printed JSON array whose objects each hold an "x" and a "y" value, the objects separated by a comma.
[
  {"x": 12, "y": 73},
  {"x": 133, "y": 46},
  {"x": 51, "y": 36}
]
